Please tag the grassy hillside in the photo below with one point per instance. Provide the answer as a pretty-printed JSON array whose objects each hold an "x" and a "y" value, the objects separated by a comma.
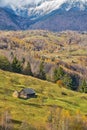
[{"x": 36, "y": 110}]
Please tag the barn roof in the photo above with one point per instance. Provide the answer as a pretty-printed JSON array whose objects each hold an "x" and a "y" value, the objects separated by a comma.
[{"x": 28, "y": 91}]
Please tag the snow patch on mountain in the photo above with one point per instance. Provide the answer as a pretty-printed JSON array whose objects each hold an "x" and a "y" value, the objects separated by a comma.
[{"x": 37, "y": 8}]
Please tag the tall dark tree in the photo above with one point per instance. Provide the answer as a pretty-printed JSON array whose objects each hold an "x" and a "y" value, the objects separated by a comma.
[
  {"x": 23, "y": 60},
  {"x": 67, "y": 80},
  {"x": 16, "y": 65},
  {"x": 75, "y": 82},
  {"x": 27, "y": 69},
  {"x": 58, "y": 74},
  {"x": 83, "y": 87},
  {"x": 42, "y": 74},
  {"x": 4, "y": 63}
]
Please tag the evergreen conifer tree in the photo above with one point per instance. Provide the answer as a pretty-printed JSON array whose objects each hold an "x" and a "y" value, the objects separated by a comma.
[
  {"x": 42, "y": 74},
  {"x": 16, "y": 65}
]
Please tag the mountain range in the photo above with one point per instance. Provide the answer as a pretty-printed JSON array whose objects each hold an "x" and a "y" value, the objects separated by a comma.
[{"x": 54, "y": 15}]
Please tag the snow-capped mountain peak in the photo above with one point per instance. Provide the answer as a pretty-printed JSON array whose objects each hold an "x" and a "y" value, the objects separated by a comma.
[
  {"x": 37, "y": 8},
  {"x": 54, "y": 15}
]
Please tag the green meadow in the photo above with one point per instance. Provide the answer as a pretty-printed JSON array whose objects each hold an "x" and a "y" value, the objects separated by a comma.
[{"x": 36, "y": 110}]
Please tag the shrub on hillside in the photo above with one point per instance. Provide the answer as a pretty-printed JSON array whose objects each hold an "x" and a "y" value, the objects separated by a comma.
[{"x": 60, "y": 83}]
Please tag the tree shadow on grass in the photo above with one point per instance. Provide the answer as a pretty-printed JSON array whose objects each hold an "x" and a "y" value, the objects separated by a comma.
[
  {"x": 13, "y": 122},
  {"x": 54, "y": 106},
  {"x": 16, "y": 121},
  {"x": 69, "y": 102},
  {"x": 33, "y": 105}
]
